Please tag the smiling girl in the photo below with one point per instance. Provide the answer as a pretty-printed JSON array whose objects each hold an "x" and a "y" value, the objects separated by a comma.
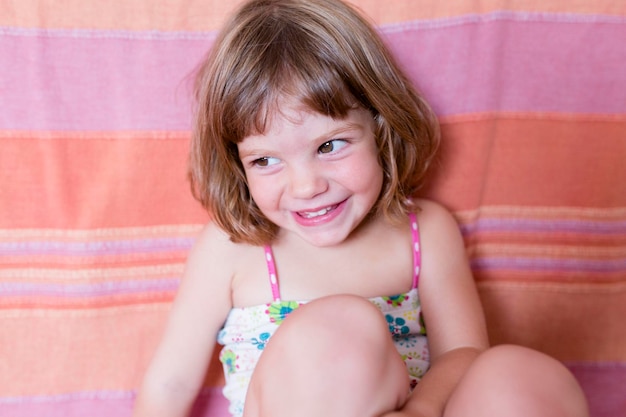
[{"x": 334, "y": 289}]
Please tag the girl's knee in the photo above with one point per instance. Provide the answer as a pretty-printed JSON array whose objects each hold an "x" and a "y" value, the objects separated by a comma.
[
  {"x": 342, "y": 332},
  {"x": 339, "y": 320},
  {"x": 340, "y": 345},
  {"x": 514, "y": 380},
  {"x": 530, "y": 365}
]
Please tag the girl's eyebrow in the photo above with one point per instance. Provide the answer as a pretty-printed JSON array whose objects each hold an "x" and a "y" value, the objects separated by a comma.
[
  {"x": 344, "y": 127},
  {"x": 244, "y": 153},
  {"x": 252, "y": 150},
  {"x": 348, "y": 126}
]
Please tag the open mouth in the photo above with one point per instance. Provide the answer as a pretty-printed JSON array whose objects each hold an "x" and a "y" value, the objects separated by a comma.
[{"x": 318, "y": 213}]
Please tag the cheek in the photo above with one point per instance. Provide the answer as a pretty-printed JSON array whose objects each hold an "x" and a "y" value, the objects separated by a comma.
[
  {"x": 368, "y": 176},
  {"x": 261, "y": 191}
]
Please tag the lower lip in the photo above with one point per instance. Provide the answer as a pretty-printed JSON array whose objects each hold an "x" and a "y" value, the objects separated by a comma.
[{"x": 319, "y": 220}]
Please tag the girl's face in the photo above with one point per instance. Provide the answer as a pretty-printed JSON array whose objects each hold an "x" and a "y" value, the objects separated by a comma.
[{"x": 312, "y": 175}]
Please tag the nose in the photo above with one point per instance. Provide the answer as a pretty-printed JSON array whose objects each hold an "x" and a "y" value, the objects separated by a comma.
[{"x": 307, "y": 181}]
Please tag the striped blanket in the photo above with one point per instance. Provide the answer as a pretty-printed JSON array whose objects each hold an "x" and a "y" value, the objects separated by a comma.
[{"x": 96, "y": 217}]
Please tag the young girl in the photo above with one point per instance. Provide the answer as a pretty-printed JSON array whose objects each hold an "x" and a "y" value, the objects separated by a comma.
[{"x": 333, "y": 288}]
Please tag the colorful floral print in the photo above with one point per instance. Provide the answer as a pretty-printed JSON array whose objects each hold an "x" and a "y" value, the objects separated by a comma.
[
  {"x": 278, "y": 311},
  {"x": 261, "y": 341},
  {"x": 395, "y": 300},
  {"x": 248, "y": 330},
  {"x": 229, "y": 359},
  {"x": 397, "y": 325}
]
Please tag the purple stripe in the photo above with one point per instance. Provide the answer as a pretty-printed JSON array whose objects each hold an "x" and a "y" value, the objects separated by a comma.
[
  {"x": 122, "y": 247},
  {"x": 88, "y": 290},
  {"x": 545, "y": 264},
  {"x": 73, "y": 396},
  {"x": 604, "y": 385},
  {"x": 517, "y": 66},
  {"x": 107, "y": 34},
  {"x": 545, "y": 226},
  {"x": 53, "y": 83},
  {"x": 505, "y": 15},
  {"x": 75, "y": 82}
]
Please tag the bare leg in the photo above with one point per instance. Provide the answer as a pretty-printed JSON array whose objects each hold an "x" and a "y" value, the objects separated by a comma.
[
  {"x": 331, "y": 357},
  {"x": 514, "y": 381}
]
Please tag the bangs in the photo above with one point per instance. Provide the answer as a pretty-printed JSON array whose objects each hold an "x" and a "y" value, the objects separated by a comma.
[
  {"x": 318, "y": 94},
  {"x": 286, "y": 69}
]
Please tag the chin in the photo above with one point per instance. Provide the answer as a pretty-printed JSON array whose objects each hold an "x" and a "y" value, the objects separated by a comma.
[
  {"x": 324, "y": 243},
  {"x": 323, "y": 240}
]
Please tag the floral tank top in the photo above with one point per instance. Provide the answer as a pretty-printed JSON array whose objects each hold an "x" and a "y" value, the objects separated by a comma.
[{"x": 247, "y": 330}]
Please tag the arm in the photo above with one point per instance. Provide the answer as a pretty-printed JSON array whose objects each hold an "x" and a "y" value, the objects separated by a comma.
[
  {"x": 177, "y": 371},
  {"x": 452, "y": 312}
]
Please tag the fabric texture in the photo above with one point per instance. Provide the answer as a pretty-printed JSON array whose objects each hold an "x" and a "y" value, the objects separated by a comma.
[{"x": 96, "y": 217}]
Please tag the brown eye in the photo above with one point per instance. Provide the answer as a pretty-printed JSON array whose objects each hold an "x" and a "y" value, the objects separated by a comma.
[
  {"x": 261, "y": 162},
  {"x": 332, "y": 146},
  {"x": 326, "y": 147},
  {"x": 265, "y": 161}
]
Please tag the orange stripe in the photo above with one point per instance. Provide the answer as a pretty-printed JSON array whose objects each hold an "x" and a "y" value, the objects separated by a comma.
[
  {"x": 539, "y": 212},
  {"x": 407, "y": 10},
  {"x": 92, "y": 275},
  {"x": 109, "y": 349},
  {"x": 529, "y": 115},
  {"x": 530, "y": 162},
  {"x": 97, "y": 235},
  {"x": 134, "y": 182},
  {"x": 517, "y": 237},
  {"x": 519, "y": 275},
  {"x": 550, "y": 251},
  {"x": 572, "y": 322},
  {"x": 209, "y": 15},
  {"x": 55, "y": 351},
  {"x": 61, "y": 303},
  {"x": 45, "y": 261},
  {"x": 96, "y": 183}
]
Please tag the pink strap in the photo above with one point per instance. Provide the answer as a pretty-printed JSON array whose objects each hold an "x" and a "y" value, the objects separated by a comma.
[
  {"x": 271, "y": 268},
  {"x": 417, "y": 255}
]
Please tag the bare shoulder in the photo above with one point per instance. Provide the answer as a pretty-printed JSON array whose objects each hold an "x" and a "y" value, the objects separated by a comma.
[
  {"x": 436, "y": 219},
  {"x": 441, "y": 240},
  {"x": 209, "y": 271},
  {"x": 213, "y": 243}
]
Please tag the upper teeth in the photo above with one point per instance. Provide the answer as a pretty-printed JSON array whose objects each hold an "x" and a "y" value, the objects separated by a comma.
[{"x": 309, "y": 215}]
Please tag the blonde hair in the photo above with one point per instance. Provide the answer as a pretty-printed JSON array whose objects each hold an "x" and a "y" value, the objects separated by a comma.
[{"x": 326, "y": 56}]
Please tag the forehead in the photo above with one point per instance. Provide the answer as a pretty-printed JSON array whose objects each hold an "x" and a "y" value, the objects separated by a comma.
[
  {"x": 295, "y": 123},
  {"x": 290, "y": 101}
]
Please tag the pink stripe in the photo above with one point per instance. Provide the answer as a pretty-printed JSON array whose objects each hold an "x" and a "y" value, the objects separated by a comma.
[
  {"x": 73, "y": 83},
  {"x": 88, "y": 290},
  {"x": 603, "y": 383},
  {"x": 517, "y": 66},
  {"x": 65, "y": 81},
  {"x": 95, "y": 248},
  {"x": 101, "y": 404},
  {"x": 600, "y": 381}
]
